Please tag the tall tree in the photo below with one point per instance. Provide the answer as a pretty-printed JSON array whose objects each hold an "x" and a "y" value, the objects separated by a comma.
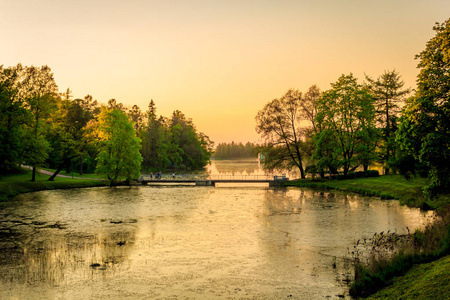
[
  {"x": 283, "y": 124},
  {"x": 389, "y": 99},
  {"x": 137, "y": 117},
  {"x": 39, "y": 91},
  {"x": 154, "y": 141},
  {"x": 346, "y": 118},
  {"x": 12, "y": 116},
  {"x": 119, "y": 155},
  {"x": 195, "y": 147},
  {"x": 69, "y": 133},
  {"x": 424, "y": 130}
]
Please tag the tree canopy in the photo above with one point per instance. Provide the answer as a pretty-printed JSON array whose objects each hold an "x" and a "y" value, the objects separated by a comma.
[
  {"x": 346, "y": 118},
  {"x": 424, "y": 129},
  {"x": 283, "y": 124},
  {"x": 119, "y": 155}
]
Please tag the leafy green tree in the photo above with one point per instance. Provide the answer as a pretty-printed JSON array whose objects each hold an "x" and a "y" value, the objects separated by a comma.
[
  {"x": 154, "y": 141},
  {"x": 283, "y": 124},
  {"x": 346, "y": 119},
  {"x": 68, "y": 134},
  {"x": 137, "y": 117},
  {"x": 12, "y": 117},
  {"x": 424, "y": 130},
  {"x": 119, "y": 155},
  {"x": 389, "y": 98},
  {"x": 196, "y": 148},
  {"x": 39, "y": 91}
]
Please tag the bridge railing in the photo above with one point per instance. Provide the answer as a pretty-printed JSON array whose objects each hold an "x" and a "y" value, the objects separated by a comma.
[{"x": 190, "y": 177}]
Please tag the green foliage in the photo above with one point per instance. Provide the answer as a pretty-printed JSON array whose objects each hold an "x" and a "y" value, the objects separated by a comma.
[
  {"x": 423, "y": 246},
  {"x": 424, "y": 131},
  {"x": 119, "y": 155},
  {"x": 18, "y": 182},
  {"x": 235, "y": 150},
  {"x": 389, "y": 97},
  {"x": 173, "y": 142},
  {"x": 287, "y": 125},
  {"x": 422, "y": 282},
  {"x": 12, "y": 116},
  {"x": 347, "y": 136}
]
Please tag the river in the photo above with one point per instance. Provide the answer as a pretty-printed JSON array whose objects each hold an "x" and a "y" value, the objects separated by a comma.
[{"x": 187, "y": 242}]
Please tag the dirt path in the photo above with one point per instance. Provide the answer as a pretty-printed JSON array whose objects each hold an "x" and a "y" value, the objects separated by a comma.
[{"x": 45, "y": 172}]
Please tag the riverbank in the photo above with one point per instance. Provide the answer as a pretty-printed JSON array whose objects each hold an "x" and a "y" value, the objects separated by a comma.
[
  {"x": 408, "y": 192},
  {"x": 422, "y": 280},
  {"x": 19, "y": 183}
]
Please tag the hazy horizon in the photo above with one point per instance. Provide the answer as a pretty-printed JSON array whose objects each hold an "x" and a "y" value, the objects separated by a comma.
[{"x": 218, "y": 63}]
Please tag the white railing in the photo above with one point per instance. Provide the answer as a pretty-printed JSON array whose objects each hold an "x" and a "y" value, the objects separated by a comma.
[{"x": 213, "y": 177}]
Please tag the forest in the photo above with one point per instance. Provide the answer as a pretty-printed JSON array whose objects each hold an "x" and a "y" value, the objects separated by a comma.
[
  {"x": 235, "y": 150},
  {"x": 41, "y": 127}
]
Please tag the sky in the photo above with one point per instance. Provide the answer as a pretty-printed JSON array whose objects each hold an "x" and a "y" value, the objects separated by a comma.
[{"x": 218, "y": 62}]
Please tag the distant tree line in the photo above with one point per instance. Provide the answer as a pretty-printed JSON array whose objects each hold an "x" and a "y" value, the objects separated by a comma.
[
  {"x": 355, "y": 124},
  {"x": 41, "y": 127},
  {"x": 235, "y": 150}
]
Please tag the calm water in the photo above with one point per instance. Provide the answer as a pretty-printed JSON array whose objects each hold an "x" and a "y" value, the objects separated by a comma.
[{"x": 186, "y": 242}]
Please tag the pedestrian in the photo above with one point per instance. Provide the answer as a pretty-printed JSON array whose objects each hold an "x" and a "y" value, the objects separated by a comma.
[{"x": 173, "y": 175}]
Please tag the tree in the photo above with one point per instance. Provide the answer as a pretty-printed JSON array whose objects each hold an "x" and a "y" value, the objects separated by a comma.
[
  {"x": 12, "y": 117},
  {"x": 346, "y": 119},
  {"x": 154, "y": 141},
  {"x": 195, "y": 147},
  {"x": 119, "y": 155},
  {"x": 389, "y": 97},
  {"x": 68, "y": 134},
  {"x": 282, "y": 123},
  {"x": 39, "y": 91},
  {"x": 424, "y": 130},
  {"x": 137, "y": 117}
]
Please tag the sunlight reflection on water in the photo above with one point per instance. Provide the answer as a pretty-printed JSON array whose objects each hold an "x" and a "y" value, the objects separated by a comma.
[{"x": 186, "y": 242}]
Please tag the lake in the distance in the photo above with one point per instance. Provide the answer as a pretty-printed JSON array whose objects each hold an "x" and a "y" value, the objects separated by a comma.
[{"x": 187, "y": 242}]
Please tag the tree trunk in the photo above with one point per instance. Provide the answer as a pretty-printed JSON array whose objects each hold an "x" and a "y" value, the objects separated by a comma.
[
  {"x": 60, "y": 167},
  {"x": 33, "y": 174}
]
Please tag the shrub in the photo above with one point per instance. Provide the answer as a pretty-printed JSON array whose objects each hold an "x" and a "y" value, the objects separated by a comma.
[{"x": 371, "y": 173}]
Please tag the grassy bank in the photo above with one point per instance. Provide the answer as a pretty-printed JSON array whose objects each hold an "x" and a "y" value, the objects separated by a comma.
[
  {"x": 409, "y": 192},
  {"x": 425, "y": 281},
  {"x": 19, "y": 183},
  {"x": 415, "y": 271}
]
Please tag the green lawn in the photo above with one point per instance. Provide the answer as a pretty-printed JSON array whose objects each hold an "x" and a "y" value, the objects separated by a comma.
[
  {"x": 409, "y": 192},
  {"x": 76, "y": 174},
  {"x": 19, "y": 183},
  {"x": 425, "y": 281}
]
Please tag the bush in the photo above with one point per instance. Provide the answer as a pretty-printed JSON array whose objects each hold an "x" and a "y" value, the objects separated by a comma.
[
  {"x": 371, "y": 173},
  {"x": 360, "y": 174}
]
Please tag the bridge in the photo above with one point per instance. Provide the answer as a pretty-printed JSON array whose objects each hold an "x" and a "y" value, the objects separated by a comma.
[{"x": 212, "y": 180}]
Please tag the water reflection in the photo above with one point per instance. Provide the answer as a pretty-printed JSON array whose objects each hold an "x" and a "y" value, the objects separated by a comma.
[{"x": 188, "y": 242}]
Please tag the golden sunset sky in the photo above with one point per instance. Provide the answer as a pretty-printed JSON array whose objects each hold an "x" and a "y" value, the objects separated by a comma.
[{"x": 218, "y": 62}]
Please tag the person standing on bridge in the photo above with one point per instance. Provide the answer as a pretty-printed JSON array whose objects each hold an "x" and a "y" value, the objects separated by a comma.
[{"x": 173, "y": 175}]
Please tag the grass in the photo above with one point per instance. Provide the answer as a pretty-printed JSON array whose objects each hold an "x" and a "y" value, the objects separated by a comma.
[
  {"x": 75, "y": 174},
  {"x": 19, "y": 183},
  {"x": 409, "y": 192},
  {"x": 415, "y": 255},
  {"x": 426, "y": 281},
  {"x": 393, "y": 255}
]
